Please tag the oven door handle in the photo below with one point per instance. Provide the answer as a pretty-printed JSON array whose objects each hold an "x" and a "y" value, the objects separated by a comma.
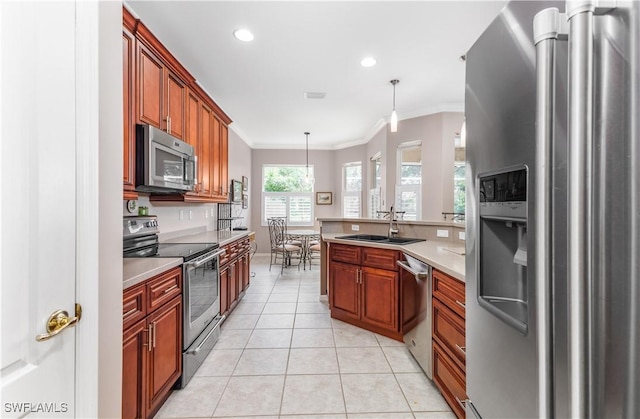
[
  {"x": 196, "y": 350},
  {"x": 205, "y": 260}
]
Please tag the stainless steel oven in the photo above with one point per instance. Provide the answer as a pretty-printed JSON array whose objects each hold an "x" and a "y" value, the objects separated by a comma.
[
  {"x": 200, "y": 287},
  {"x": 201, "y": 311}
]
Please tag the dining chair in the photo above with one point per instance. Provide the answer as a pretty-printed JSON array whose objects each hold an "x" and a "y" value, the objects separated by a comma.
[{"x": 279, "y": 245}]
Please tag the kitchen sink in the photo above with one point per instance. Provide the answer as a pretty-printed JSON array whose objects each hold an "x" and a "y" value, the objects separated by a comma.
[
  {"x": 380, "y": 239},
  {"x": 365, "y": 237}
]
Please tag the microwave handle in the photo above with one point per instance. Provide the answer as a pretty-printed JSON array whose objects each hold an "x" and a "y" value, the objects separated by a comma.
[{"x": 190, "y": 176}]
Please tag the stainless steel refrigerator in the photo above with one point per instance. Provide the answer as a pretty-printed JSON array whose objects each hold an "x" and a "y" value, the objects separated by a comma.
[{"x": 553, "y": 212}]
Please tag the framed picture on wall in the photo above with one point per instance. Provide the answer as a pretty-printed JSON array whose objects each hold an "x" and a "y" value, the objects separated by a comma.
[
  {"x": 245, "y": 183},
  {"x": 324, "y": 198},
  {"x": 245, "y": 201},
  {"x": 236, "y": 191}
]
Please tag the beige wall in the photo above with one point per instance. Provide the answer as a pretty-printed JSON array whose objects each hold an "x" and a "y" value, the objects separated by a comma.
[{"x": 436, "y": 132}]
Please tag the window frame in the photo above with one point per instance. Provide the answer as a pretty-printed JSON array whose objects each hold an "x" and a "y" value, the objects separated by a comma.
[
  {"x": 413, "y": 187},
  {"x": 346, "y": 193},
  {"x": 288, "y": 198}
]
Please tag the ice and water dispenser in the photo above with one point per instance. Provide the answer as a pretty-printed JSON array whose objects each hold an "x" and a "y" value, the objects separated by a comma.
[{"x": 502, "y": 285}]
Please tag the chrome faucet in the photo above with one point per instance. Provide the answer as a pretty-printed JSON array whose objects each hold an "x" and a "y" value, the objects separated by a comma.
[{"x": 392, "y": 219}]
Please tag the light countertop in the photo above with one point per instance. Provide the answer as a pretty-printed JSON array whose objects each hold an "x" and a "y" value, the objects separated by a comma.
[
  {"x": 220, "y": 237},
  {"x": 442, "y": 255},
  {"x": 457, "y": 224},
  {"x": 137, "y": 270}
]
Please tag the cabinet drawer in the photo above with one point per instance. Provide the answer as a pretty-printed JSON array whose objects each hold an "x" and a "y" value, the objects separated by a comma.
[
  {"x": 225, "y": 257},
  {"x": 163, "y": 288},
  {"x": 380, "y": 258},
  {"x": 450, "y": 380},
  {"x": 134, "y": 305},
  {"x": 449, "y": 291},
  {"x": 345, "y": 253},
  {"x": 449, "y": 332}
]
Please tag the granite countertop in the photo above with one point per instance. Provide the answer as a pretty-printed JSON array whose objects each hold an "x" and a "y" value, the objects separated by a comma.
[
  {"x": 442, "y": 255},
  {"x": 137, "y": 270}
]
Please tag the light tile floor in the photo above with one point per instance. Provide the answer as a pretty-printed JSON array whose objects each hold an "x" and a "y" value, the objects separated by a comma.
[{"x": 280, "y": 355}]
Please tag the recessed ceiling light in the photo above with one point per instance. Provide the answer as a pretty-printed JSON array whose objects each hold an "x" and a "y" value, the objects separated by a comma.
[
  {"x": 243, "y": 35},
  {"x": 368, "y": 62},
  {"x": 315, "y": 95}
]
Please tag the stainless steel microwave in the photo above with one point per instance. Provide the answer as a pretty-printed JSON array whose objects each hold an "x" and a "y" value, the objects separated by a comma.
[{"x": 164, "y": 164}]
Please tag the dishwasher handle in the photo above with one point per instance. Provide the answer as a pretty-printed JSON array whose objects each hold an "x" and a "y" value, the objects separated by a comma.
[{"x": 419, "y": 275}]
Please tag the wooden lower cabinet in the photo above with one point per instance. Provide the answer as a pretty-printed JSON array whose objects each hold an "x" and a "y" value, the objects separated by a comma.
[
  {"x": 363, "y": 295},
  {"x": 234, "y": 273},
  {"x": 152, "y": 347},
  {"x": 449, "y": 357},
  {"x": 134, "y": 359},
  {"x": 450, "y": 380},
  {"x": 165, "y": 356}
]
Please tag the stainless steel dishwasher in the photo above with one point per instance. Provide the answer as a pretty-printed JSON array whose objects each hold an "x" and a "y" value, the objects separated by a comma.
[{"x": 418, "y": 339}]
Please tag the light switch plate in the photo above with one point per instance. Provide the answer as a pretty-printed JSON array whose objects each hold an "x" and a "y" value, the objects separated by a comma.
[
  {"x": 461, "y": 235},
  {"x": 355, "y": 227},
  {"x": 181, "y": 215},
  {"x": 443, "y": 233}
]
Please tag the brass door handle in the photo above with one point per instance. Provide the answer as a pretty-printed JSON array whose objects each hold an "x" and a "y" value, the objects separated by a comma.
[{"x": 59, "y": 321}]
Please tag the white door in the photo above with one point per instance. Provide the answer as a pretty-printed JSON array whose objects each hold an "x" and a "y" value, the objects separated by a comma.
[{"x": 37, "y": 205}]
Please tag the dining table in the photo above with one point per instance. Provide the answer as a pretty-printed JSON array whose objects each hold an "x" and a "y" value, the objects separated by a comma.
[{"x": 305, "y": 237}]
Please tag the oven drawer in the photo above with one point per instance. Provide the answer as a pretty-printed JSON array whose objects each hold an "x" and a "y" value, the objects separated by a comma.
[
  {"x": 163, "y": 288},
  {"x": 134, "y": 305}
]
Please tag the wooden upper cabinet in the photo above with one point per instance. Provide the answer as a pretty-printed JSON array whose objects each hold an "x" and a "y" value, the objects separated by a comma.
[
  {"x": 150, "y": 88},
  {"x": 128, "y": 134},
  {"x": 160, "y": 92},
  {"x": 224, "y": 160},
  {"x": 204, "y": 151},
  {"x": 175, "y": 106}
]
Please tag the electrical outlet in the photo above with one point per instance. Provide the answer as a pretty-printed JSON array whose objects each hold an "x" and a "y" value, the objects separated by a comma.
[
  {"x": 461, "y": 235},
  {"x": 212, "y": 212},
  {"x": 190, "y": 214},
  {"x": 206, "y": 213},
  {"x": 181, "y": 215},
  {"x": 443, "y": 233},
  {"x": 355, "y": 227}
]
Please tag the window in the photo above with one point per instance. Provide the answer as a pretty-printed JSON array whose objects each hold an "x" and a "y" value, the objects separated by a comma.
[
  {"x": 409, "y": 180},
  {"x": 286, "y": 194},
  {"x": 351, "y": 189},
  {"x": 375, "y": 193},
  {"x": 459, "y": 174}
]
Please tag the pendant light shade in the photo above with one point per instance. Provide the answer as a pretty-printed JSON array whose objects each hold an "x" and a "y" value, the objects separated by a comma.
[
  {"x": 309, "y": 180},
  {"x": 394, "y": 114}
]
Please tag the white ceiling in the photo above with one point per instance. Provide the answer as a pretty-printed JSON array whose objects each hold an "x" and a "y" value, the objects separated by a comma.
[{"x": 317, "y": 46}]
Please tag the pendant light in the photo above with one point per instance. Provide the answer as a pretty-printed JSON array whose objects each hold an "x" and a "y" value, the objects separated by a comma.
[
  {"x": 394, "y": 114},
  {"x": 309, "y": 180}
]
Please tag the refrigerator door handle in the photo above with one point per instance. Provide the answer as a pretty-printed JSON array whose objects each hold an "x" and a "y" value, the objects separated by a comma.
[{"x": 547, "y": 27}]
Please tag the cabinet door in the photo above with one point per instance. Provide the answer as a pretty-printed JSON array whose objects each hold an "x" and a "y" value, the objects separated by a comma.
[
  {"x": 175, "y": 105},
  {"x": 246, "y": 271},
  {"x": 224, "y": 160},
  {"x": 449, "y": 332},
  {"x": 344, "y": 292},
  {"x": 450, "y": 380},
  {"x": 134, "y": 358},
  {"x": 192, "y": 129},
  {"x": 224, "y": 289},
  {"x": 380, "y": 258},
  {"x": 379, "y": 297},
  {"x": 234, "y": 275},
  {"x": 204, "y": 150},
  {"x": 149, "y": 90},
  {"x": 216, "y": 152},
  {"x": 165, "y": 357},
  {"x": 128, "y": 135}
]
